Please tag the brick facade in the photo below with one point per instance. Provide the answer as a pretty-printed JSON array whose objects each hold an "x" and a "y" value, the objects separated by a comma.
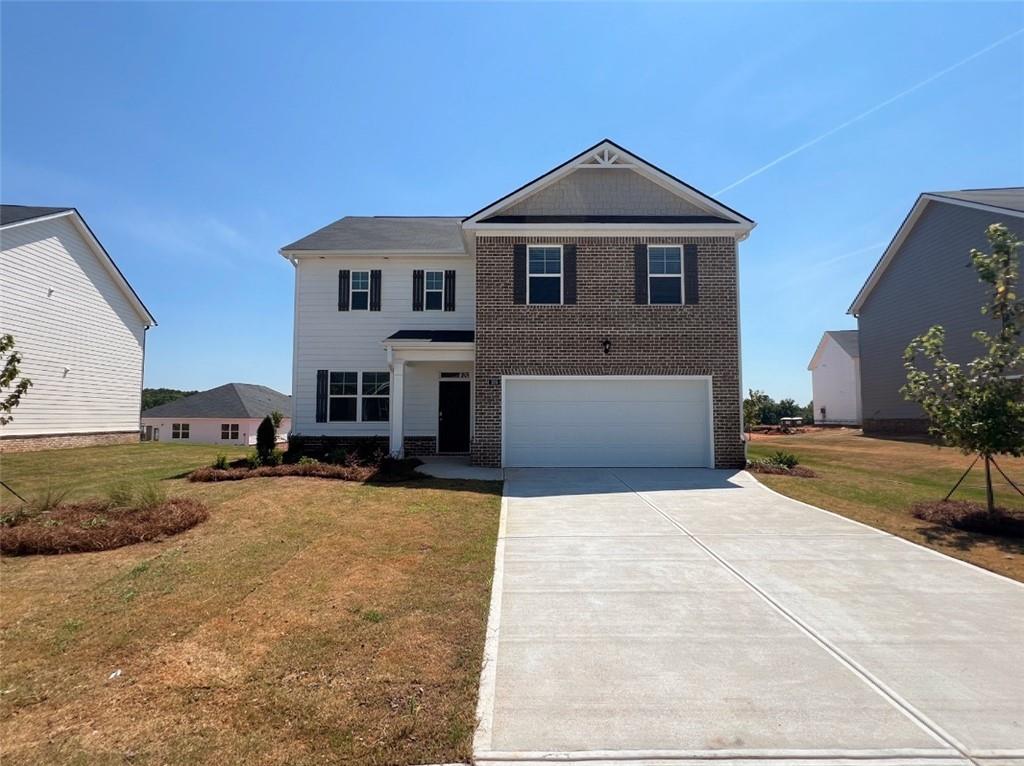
[
  {"x": 701, "y": 339},
  {"x": 66, "y": 441},
  {"x": 418, "y": 446}
]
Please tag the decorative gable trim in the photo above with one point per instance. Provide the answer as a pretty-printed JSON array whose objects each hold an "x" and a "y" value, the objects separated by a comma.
[
  {"x": 607, "y": 154},
  {"x": 903, "y": 232}
]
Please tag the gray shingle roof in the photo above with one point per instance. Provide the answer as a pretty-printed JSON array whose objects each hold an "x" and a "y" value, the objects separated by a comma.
[
  {"x": 18, "y": 213},
  {"x": 232, "y": 400},
  {"x": 847, "y": 340},
  {"x": 1010, "y": 198},
  {"x": 440, "y": 234}
]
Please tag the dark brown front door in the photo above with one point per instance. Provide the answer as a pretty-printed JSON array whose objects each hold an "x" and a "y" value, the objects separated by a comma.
[{"x": 453, "y": 416}]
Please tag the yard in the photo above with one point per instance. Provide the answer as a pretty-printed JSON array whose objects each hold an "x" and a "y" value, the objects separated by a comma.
[
  {"x": 307, "y": 621},
  {"x": 877, "y": 480}
]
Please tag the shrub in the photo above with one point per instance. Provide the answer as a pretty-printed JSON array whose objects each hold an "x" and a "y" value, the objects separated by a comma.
[
  {"x": 266, "y": 439},
  {"x": 47, "y": 500},
  {"x": 337, "y": 456},
  {"x": 274, "y": 458},
  {"x": 785, "y": 459},
  {"x": 120, "y": 494},
  {"x": 253, "y": 460},
  {"x": 150, "y": 496},
  {"x": 304, "y": 460},
  {"x": 221, "y": 461}
]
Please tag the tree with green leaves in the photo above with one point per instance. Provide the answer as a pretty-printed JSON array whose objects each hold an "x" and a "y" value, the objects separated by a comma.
[
  {"x": 979, "y": 407},
  {"x": 276, "y": 417},
  {"x": 266, "y": 439},
  {"x": 755, "y": 406},
  {"x": 12, "y": 387}
]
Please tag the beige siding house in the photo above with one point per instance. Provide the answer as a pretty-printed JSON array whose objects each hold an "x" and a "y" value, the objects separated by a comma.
[
  {"x": 228, "y": 414},
  {"x": 79, "y": 327}
]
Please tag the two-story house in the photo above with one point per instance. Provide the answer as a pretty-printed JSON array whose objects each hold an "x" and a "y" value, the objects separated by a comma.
[{"x": 588, "y": 318}]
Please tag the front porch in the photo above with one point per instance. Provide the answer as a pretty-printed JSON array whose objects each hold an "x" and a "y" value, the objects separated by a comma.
[{"x": 431, "y": 391}]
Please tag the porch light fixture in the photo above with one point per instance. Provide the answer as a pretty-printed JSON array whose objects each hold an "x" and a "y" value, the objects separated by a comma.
[{"x": 606, "y": 345}]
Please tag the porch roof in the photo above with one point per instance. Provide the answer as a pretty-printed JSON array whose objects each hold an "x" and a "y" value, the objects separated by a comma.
[{"x": 433, "y": 336}]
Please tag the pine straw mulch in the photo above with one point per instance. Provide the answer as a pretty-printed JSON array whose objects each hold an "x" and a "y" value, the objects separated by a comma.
[
  {"x": 96, "y": 526},
  {"x": 387, "y": 471},
  {"x": 971, "y": 517},
  {"x": 781, "y": 470}
]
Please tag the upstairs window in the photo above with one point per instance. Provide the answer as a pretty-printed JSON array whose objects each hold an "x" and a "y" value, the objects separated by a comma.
[
  {"x": 360, "y": 299},
  {"x": 376, "y": 393},
  {"x": 343, "y": 395},
  {"x": 433, "y": 291},
  {"x": 179, "y": 430},
  {"x": 229, "y": 431},
  {"x": 544, "y": 274},
  {"x": 665, "y": 274}
]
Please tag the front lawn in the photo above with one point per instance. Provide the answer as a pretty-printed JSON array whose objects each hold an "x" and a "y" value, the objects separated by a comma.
[
  {"x": 307, "y": 621},
  {"x": 877, "y": 480}
]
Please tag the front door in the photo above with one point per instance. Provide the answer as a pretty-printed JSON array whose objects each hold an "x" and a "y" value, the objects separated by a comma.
[{"x": 453, "y": 416}]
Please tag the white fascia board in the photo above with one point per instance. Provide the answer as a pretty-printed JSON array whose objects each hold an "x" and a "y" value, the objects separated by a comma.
[
  {"x": 904, "y": 231},
  {"x": 610, "y": 229},
  {"x": 293, "y": 254},
  {"x": 818, "y": 352},
  {"x": 49, "y": 217}
]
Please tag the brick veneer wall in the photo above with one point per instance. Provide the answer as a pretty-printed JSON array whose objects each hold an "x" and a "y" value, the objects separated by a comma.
[
  {"x": 418, "y": 446},
  {"x": 66, "y": 441},
  {"x": 701, "y": 339}
]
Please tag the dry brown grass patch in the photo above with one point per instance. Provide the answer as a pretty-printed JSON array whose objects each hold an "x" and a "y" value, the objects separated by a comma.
[{"x": 96, "y": 526}]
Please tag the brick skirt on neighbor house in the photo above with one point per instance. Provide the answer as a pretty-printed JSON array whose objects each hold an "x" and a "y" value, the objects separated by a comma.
[{"x": 66, "y": 441}]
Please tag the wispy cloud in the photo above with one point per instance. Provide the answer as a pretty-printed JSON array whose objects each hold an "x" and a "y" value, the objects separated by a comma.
[{"x": 868, "y": 112}]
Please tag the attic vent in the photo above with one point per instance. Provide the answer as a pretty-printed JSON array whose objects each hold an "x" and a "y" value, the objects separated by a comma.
[{"x": 606, "y": 158}]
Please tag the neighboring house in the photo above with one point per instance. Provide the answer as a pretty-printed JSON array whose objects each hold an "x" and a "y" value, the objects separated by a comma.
[
  {"x": 80, "y": 329},
  {"x": 588, "y": 318},
  {"x": 925, "y": 278},
  {"x": 228, "y": 414},
  {"x": 835, "y": 379}
]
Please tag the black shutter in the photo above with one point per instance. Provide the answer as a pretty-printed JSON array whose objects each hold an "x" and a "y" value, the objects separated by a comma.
[
  {"x": 569, "y": 274},
  {"x": 321, "y": 396},
  {"x": 343, "y": 282},
  {"x": 417, "y": 290},
  {"x": 519, "y": 273},
  {"x": 691, "y": 291},
  {"x": 640, "y": 272},
  {"x": 375, "y": 290},
  {"x": 449, "y": 290}
]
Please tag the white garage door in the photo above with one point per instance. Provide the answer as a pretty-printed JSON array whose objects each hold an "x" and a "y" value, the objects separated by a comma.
[{"x": 606, "y": 421}]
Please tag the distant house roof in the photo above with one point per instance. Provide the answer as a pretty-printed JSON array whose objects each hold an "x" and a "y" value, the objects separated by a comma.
[
  {"x": 1005, "y": 201},
  {"x": 845, "y": 339},
  {"x": 434, "y": 336},
  {"x": 22, "y": 215},
  {"x": 232, "y": 400},
  {"x": 385, "y": 234},
  {"x": 19, "y": 213}
]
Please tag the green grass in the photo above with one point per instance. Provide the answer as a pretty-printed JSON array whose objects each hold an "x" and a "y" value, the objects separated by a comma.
[
  {"x": 308, "y": 621},
  {"x": 878, "y": 480}
]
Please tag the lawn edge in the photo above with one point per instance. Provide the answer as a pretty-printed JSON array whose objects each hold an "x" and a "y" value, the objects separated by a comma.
[{"x": 884, "y": 532}]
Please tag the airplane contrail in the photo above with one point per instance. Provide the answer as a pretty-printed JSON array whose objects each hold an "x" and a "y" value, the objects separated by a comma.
[{"x": 871, "y": 111}]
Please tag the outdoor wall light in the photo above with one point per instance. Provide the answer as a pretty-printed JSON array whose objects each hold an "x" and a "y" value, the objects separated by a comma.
[{"x": 606, "y": 345}]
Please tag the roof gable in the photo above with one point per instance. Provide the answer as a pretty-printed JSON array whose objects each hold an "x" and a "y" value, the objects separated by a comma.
[
  {"x": 597, "y": 184},
  {"x": 232, "y": 400},
  {"x": 1010, "y": 202},
  {"x": 846, "y": 340}
]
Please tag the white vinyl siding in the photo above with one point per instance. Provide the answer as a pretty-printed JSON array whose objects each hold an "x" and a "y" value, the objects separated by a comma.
[
  {"x": 80, "y": 339},
  {"x": 606, "y": 421},
  {"x": 835, "y": 383},
  {"x": 328, "y": 339}
]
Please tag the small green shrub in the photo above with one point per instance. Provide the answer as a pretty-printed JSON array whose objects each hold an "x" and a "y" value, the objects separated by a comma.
[
  {"x": 221, "y": 462},
  {"x": 304, "y": 460},
  {"x": 120, "y": 494},
  {"x": 266, "y": 439},
  {"x": 785, "y": 459},
  {"x": 47, "y": 500},
  {"x": 274, "y": 458},
  {"x": 16, "y": 516},
  {"x": 253, "y": 460},
  {"x": 150, "y": 496},
  {"x": 338, "y": 456}
]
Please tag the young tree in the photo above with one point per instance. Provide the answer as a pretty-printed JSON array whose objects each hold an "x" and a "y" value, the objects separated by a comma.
[
  {"x": 9, "y": 390},
  {"x": 978, "y": 409},
  {"x": 266, "y": 439},
  {"x": 756, "y": 407},
  {"x": 277, "y": 416}
]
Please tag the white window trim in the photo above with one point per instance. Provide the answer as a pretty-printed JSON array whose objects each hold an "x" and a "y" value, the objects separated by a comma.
[
  {"x": 183, "y": 428},
  {"x": 231, "y": 428},
  {"x": 358, "y": 396},
  {"x": 560, "y": 276},
  {"x": 352, "y": 290},
  {"x": 682, "y": 283},
  {"x": 444, "y": 284}
]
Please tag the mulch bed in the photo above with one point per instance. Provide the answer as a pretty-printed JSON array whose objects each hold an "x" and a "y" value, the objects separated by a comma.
[
  {"x": 390, "y": 471},
  {"x": 971, "y": 517},
  {"x": 781, "y": 470},
  {"x": 96, "y": 526}
]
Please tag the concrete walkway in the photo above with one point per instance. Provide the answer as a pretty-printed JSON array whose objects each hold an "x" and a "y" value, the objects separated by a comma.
[{"x": 665, "y": 616}]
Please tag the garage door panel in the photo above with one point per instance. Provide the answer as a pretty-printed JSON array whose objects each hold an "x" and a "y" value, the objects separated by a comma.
[{"x": 606, "y": 422}]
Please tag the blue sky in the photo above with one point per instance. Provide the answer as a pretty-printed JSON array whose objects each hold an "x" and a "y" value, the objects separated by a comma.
[{"x": 198, "y": 138}]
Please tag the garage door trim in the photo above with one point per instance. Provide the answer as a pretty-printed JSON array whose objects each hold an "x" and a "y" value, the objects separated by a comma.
[{"x": 710, "y": 462}]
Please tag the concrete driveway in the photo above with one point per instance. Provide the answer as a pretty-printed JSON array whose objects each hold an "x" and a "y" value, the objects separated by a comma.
[{"x": 662, "y": 615}]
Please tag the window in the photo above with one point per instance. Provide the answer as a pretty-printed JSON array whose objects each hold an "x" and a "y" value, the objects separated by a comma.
[
  {"x": 343, "y": 393},
  {"x": 433, "y": 290},
  {"x": 665, "y": 274},
  {"x": 229, "y": 431},
  {"x": 360, "y": 300},
  {"x": 544, "y": 274},
  {"x": 354, "y": 396},
  {"x": 376, "y": 390},
  {"x": 179, "y": 430}
]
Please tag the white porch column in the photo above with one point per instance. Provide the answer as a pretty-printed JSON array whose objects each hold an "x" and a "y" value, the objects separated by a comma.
[{"x": 397, "y": 406}]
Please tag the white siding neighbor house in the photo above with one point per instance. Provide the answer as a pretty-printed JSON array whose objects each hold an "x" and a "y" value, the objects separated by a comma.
[
  {"x": 835, "y": 379},
  {"x": 80, "y": 329},
  {"x": 588, "y": 318},
  {"x": 228, "y": 414}
]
